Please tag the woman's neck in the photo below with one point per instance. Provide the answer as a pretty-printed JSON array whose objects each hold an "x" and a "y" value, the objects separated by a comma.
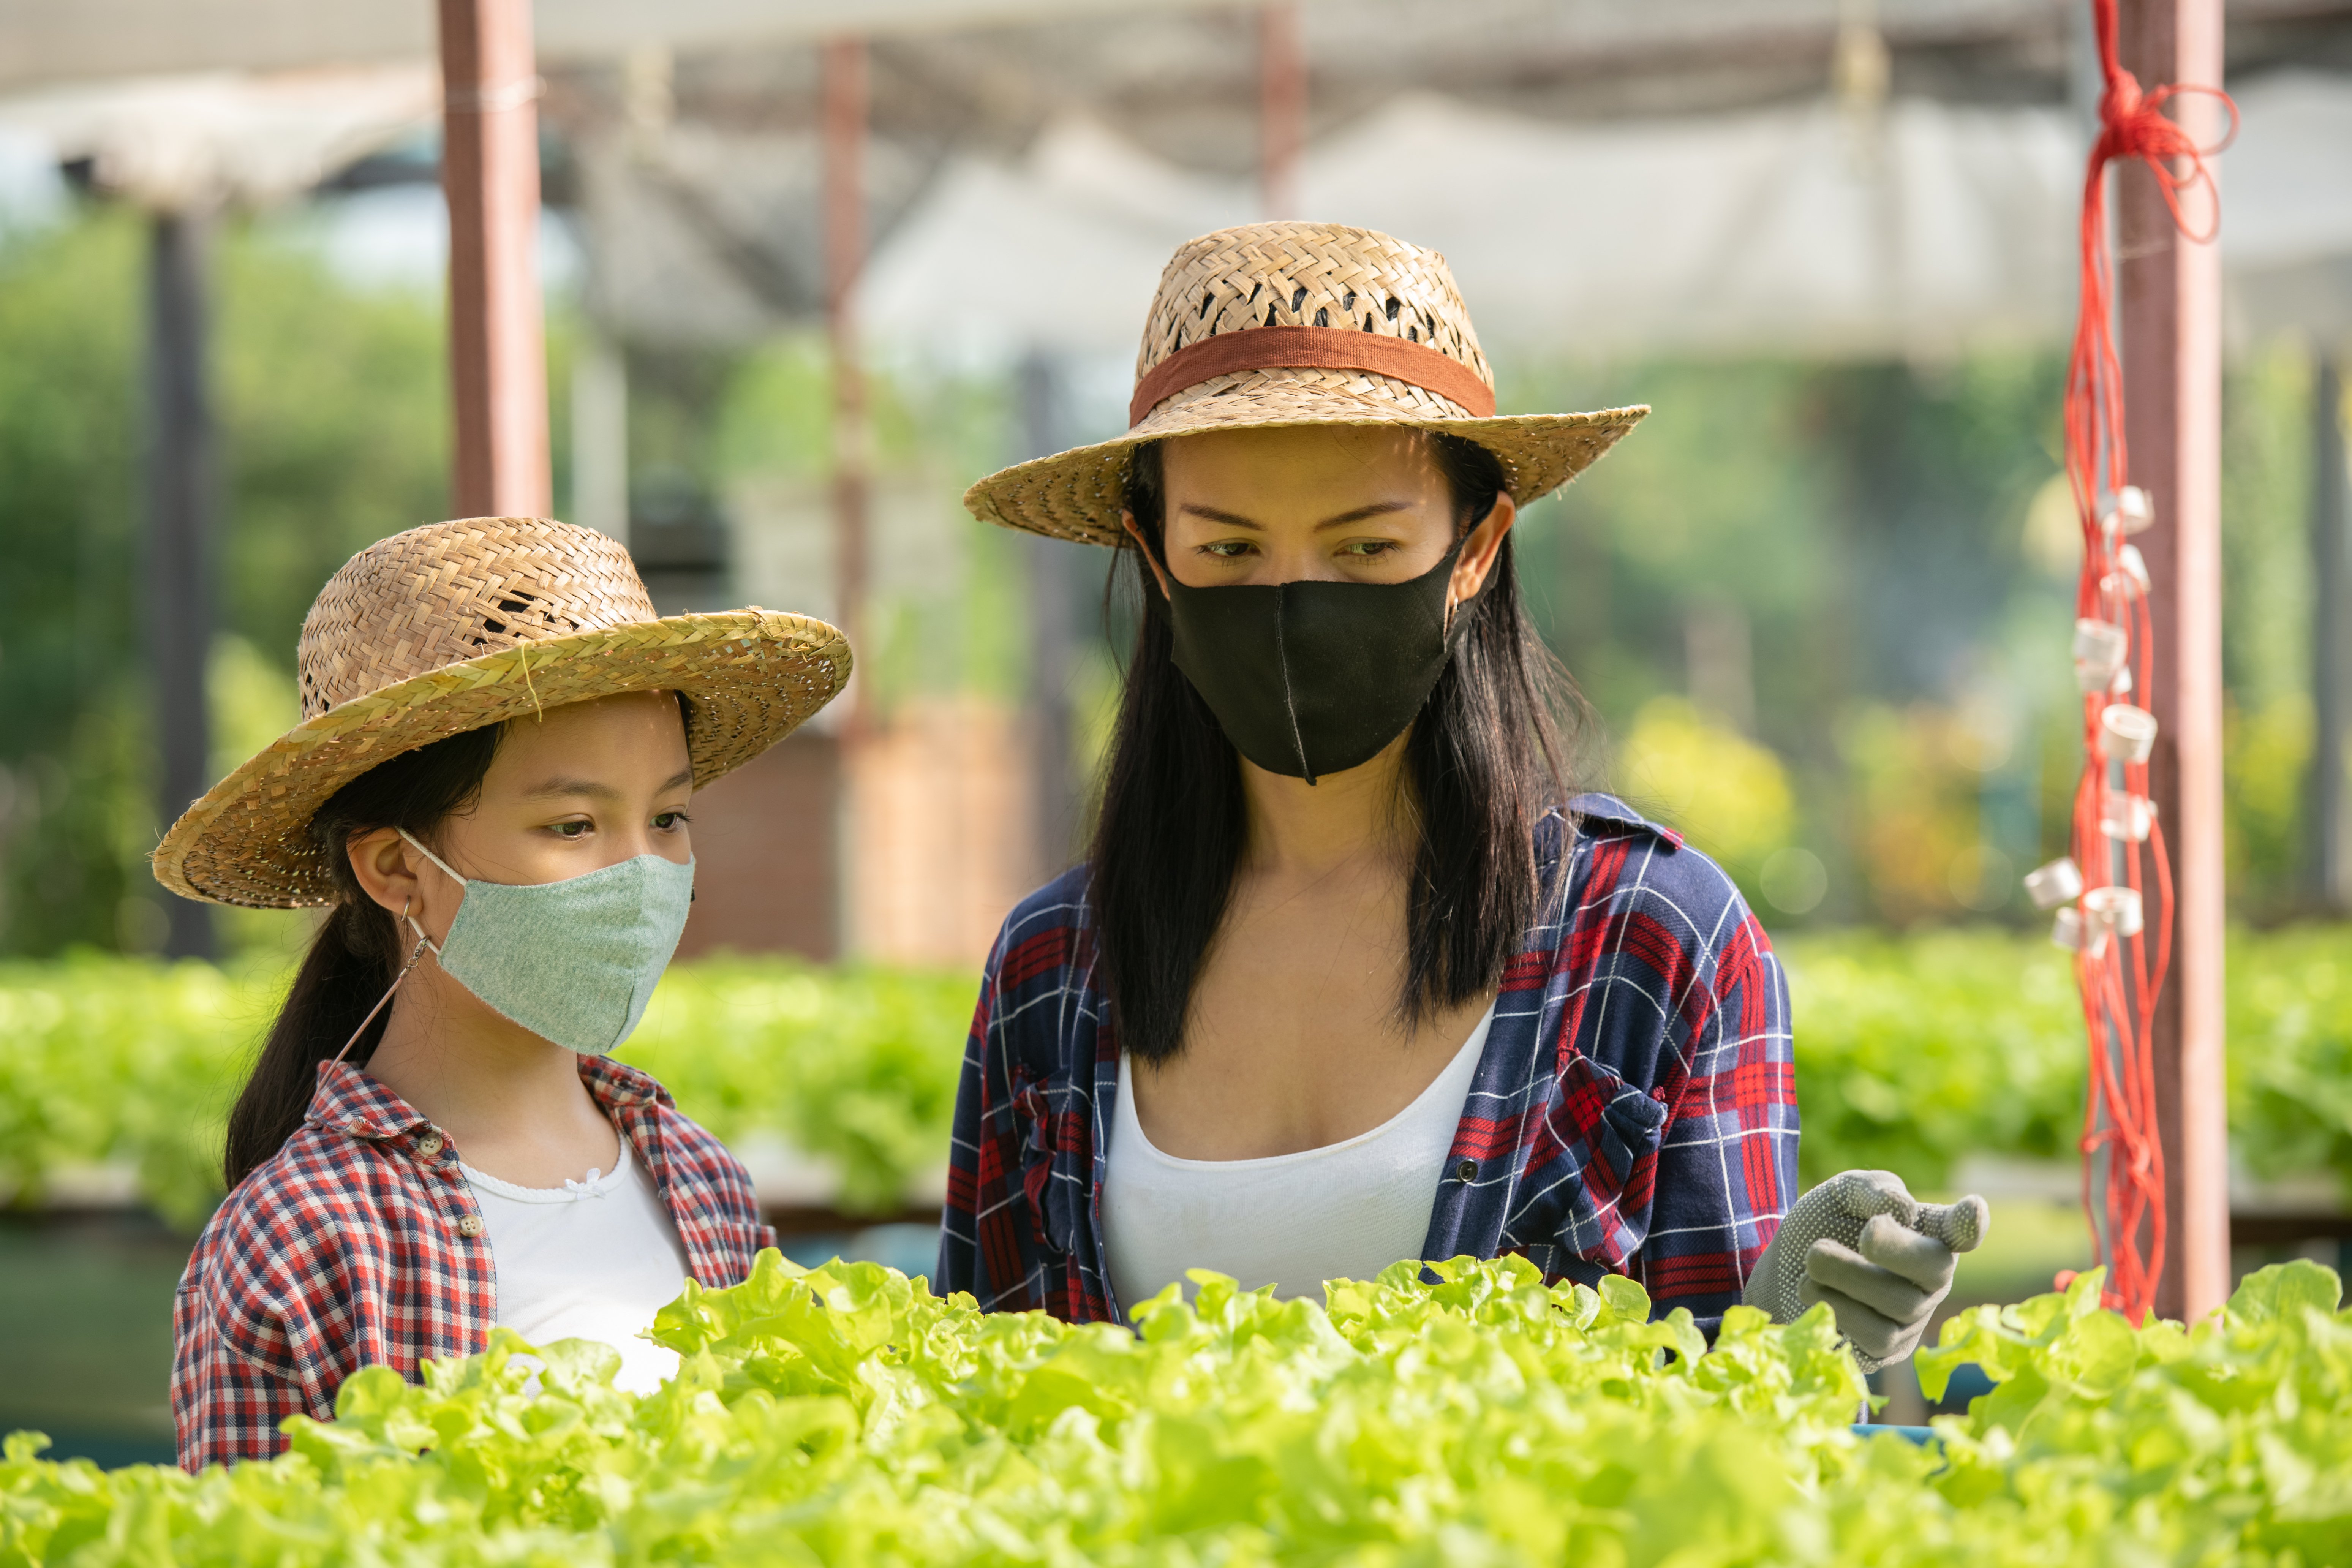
[
  {"x": 513, "y": 1102},
  {"x": 1308, "y": 831}
]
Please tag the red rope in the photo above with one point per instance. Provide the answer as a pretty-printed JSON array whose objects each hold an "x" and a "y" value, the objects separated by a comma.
[{"x": 2119, "y": 977}]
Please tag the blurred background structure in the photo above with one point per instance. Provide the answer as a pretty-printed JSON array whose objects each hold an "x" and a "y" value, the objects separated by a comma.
[
  {"x": 804, "y": 284},
  {"x": 811, "y": 266}
]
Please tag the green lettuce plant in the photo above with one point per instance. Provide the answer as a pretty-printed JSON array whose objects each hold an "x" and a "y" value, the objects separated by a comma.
[{"x": 847, "y": 1416}]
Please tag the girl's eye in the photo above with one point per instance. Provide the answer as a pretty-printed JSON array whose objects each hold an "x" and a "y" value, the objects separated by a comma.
[
  {"x": 1369, "y": 547},
  {"x": 570, "y": 829},
  {"x": 1227, "y": 549},
  {"x": 670, "y": 819}
]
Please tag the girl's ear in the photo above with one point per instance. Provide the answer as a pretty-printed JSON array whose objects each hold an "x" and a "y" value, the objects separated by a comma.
[
  {"x": 1126, "y": 520},
  {"x": 386, "y": 867}
]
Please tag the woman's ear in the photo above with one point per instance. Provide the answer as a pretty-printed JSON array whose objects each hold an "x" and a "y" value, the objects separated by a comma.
[
  {"x": 386, "y": 867},
  {"x": 1479, "y": 550},
  {"x": 1126, "y": 520}
]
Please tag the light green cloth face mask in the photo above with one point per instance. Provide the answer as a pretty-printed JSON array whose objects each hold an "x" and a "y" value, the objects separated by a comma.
[{"x": 574, "y": 962}]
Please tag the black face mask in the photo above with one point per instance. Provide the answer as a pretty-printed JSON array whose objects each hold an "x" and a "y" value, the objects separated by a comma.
[{"x": 1309, "y": 679}]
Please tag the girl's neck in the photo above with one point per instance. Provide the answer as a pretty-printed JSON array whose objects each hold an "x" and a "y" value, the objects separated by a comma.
[
  {"x": 487, "y": 1082},
  {"x": 1307, "y": 831}
]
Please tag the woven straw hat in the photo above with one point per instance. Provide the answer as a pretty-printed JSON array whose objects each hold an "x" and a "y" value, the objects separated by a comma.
[
  {"x": 450, "y": 627},
  {"x": 1298, "y": 323}
]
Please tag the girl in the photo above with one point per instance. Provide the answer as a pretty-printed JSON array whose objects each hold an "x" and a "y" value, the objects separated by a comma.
[
  {"x": 1349, "y": 974},
  {"x": 489, "y": 794}
]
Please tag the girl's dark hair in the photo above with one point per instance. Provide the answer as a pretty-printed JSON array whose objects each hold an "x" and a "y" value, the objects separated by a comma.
[
  {"x": 358, "y": 949},
  {"x": 1484, "y": 760}
]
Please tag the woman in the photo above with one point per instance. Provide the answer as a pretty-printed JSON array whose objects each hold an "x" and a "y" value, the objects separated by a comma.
[
  {"x": 1350, "y": 975},
  {"x": 489, "y": 794}
]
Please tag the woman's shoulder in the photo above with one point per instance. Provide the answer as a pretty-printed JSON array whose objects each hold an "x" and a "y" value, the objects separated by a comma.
[
  {"x": 1624, "y": 867},
  {"x": 1046, "y": 932}
]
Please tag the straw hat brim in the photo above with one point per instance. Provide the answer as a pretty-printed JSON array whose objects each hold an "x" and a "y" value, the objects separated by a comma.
[
  {"x": 751, "y": 677},
  {"x": 1077, "y": 494}
]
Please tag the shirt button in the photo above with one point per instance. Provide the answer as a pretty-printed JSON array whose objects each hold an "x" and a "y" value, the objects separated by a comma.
[
  {"x": 429, "y": 1146},
  {"x": 1467, "y": 1169},
  {"x": 471, "y": 1225}
]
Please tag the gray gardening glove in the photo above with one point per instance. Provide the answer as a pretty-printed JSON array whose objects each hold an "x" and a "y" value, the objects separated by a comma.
[{"x": 1880, "y": 1257}]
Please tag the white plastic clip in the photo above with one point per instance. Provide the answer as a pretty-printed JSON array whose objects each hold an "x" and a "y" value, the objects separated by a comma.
[
  {"x": 2059, "y": 882},
  {"x": 2126, "y": 733},
  {"x": 2114, "y": 909},
  {"x": 2133, "y": 512},
  {"x": 2099, "y": 651},
  {"x": 2128, "y": 818},
  {"x": 2067, "y": 930}
]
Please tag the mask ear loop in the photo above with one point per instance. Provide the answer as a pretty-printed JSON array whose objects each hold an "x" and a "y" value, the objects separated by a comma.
[{"x": 422, "y": 942}]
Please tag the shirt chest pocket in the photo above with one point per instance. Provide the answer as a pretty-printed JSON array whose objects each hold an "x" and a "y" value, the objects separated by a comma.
[
  {"x": 1053, "y": 1163},
  {"x": 1589, "y": 1167}
]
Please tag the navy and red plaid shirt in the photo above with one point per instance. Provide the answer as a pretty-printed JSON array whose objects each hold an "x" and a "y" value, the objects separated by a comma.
[
  {"x": 1634, "y": 1109},
  {"x": 359, "y": 1244}
]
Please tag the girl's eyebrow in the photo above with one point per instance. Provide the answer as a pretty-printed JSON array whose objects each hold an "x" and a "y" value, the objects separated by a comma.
[{"x": 596, "y": 791}]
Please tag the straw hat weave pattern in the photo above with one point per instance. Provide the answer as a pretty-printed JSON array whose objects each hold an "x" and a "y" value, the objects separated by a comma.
[
  {"x": 455, "y": 626},
  {"x": 1359, "y": 329}
]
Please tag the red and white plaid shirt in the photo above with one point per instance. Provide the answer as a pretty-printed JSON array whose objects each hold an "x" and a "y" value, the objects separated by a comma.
[{"x": 358, "y": 1244}]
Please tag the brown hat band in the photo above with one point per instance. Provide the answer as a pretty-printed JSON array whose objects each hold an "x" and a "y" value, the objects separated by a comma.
[{"x": 1312, "y": 348}]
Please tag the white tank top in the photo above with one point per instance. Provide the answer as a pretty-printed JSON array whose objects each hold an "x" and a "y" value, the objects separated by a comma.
[
  {"x": 1345, "y": 1211},
  {"x": 590, "y": 1260}
]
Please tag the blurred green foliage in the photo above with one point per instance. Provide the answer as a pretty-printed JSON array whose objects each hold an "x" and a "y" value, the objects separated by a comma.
[
  {"x": 329, "y": 403},
  {"x": 1912, "y": 1053},
  {"x": 856, "y": 1066},
  {"x": 136, "y": 1062}
]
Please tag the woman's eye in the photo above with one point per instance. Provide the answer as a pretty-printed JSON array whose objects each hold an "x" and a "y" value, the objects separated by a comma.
[
  {"x": 570, "y": 829},
  {"x": 1227, "y": 549},
  {"x": 668, "y": 820},
  {"x": 1369, "y": 547}
]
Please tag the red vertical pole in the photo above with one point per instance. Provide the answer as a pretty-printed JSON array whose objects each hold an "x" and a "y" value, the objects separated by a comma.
[
  {"x": 844, "y": 137},
  {"x": 490, "y": 171},
  {"x": 1282, "y": 106},
  {"x": 2170, "y": 325}
]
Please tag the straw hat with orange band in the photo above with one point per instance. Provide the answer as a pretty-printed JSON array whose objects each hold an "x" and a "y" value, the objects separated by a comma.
[{"x": 1300, "y": 323}]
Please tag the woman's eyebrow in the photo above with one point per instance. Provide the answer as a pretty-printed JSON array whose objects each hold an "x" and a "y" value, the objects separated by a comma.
[
  {"x": 1378, "y": 509},
  {"x": 1230, "y": 519}
]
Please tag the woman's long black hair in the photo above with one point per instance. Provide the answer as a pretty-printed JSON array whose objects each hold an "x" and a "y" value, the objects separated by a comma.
[
  {"x": 358, "y": 949},
  {"x": 1485, "y": 759}
]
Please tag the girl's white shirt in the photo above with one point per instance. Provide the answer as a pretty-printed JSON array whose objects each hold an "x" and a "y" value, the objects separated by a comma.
[
  {"x": 1345, "y": 1211},
  {"x": 592, "y": 1259}
]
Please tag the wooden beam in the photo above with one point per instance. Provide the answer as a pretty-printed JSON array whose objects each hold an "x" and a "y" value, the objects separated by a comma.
[
  {"x": 1282, "y": 107},
  {"x": 490, "y": 171},
  {"x": 2169, "y": 326}
]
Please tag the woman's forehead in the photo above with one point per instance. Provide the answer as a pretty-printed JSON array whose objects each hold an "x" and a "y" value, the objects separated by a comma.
[{"x": 1313, "y": 455}]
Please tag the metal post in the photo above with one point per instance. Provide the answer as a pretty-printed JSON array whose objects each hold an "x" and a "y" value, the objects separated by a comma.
[
  {"x": 2331, "y": 639},
  {"x": 183, "y": 500},
  {"x": 843, "y": 135},
  {"x": 1052, "y": 634},
  {"x": 490, "y": 171},
  {"x": 1282, "y": 106},
  {"x": 2170, "y": 324}
]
